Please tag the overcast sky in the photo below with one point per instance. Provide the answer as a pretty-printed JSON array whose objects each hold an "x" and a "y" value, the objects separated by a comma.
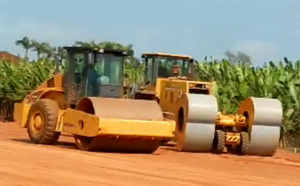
[{"x": 266, "y": 29}]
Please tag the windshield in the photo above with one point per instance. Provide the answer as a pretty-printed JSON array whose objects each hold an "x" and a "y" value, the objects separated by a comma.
[
  {"x": 107, "y": 70},
  {"x": 166, "y": 65}
]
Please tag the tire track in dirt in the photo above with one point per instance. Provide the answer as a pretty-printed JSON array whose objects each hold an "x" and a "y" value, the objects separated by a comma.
[
  {"x": 192, "y": 177},
  {"x": 23, "y": 163}
]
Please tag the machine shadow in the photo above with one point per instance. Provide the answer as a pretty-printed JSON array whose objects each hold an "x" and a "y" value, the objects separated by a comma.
[
  {"x": 173, "y": 148},
  {"x": 70, "y": 145}
]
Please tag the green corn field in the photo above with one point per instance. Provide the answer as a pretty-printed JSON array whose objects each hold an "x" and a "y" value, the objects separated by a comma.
[{"x": 234, "y": 84}]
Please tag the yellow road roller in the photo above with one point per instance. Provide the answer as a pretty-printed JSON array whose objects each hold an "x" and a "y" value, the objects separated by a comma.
[
  {"x": 200, "y": 127},
  {"x": 86, "y": 101}
]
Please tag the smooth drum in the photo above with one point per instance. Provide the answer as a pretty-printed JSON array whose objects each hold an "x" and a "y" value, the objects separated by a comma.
[
  {"x": 265, "y": 119},
  {"x": 119, "y": 109},
  {"x": 195, "y": 131}
]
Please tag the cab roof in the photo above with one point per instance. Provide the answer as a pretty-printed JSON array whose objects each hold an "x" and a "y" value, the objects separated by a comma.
[
  {"x": 159, "y": 54},
  {"x": 99, "y": 50}
]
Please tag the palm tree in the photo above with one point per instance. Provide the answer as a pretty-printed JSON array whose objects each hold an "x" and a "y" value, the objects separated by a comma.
[
  {"x": 59, "y": 52},
  {"x": 84, "y": 44},
  {"x": 104, "y": 45},
  {"x": 26, "y": 44},
  {"x": 115, "y": 46},
  {"x": 41, "y": 48}
]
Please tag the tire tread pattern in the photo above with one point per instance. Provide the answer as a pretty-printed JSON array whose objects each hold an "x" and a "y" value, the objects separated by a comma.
[
  {"x": 219, "y": 142},
  {"x": 50, "y": 110}
]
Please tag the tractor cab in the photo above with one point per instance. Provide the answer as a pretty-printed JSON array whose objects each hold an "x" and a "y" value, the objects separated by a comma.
[
  {"x": 163, "y": 65},
  {"x": 93, "y": 73}
]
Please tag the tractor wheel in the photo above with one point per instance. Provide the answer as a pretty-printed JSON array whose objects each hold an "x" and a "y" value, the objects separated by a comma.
[
  {"x": 243, "y": 147},
  {"x": 42, "y": 120},
  {"x": 219, "y": 142}
]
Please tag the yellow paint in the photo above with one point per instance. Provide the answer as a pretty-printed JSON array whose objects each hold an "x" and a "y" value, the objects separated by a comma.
[
  {"x": 20, "y": 113},
  {"x": 60, "y": 120},
  {"x": 71, "y": 123},
  {"x": 231, "y": 120},
  {"x": 170, "y": 90},
  {"x": 232, "y": 138},
  {"x": 94, "y": 126}
]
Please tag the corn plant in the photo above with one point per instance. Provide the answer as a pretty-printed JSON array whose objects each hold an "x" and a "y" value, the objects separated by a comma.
[{"x": 237, "y": 82}]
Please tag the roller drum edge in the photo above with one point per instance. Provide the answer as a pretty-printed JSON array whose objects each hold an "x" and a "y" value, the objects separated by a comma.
[
  {"x": 200, "y": 113},
  {"x": 265, "y": 115}
]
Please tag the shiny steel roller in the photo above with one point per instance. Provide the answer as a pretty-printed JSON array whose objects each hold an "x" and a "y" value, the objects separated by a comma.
[
  {"x": 265, "y": 119},
  {"x": 197, "y": 127}
]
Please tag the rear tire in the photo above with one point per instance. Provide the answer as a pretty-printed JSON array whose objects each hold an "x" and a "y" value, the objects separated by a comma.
[
  {"x": 219, "y": 142},
  {"x": 42, "y": 121},
  {"x": 243, "y": 147}
]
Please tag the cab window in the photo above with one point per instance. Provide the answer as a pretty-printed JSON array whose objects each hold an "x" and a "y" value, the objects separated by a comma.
[
  {"x": 107, "y": 69},
  {"x": 165, "y": 66}
]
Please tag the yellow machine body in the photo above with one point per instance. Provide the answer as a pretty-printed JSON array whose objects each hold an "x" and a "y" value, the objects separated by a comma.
[
  {"x": 69, "y": 119},
  {"x": 50, "y": 89},
  {"x": 199, "y": 124},
  {"x": 97, "y": 123},
  {"x": 169, "y": 91}
]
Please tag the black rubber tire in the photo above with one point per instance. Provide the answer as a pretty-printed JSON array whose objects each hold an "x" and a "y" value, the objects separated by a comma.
[
  {"x": 49, "y": 110},
  {"x": 219, "y": 142},
  {"x": 243, "y": 147}
]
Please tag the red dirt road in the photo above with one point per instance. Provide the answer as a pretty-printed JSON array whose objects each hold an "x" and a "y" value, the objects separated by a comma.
[{"x": 23, "y": 163}]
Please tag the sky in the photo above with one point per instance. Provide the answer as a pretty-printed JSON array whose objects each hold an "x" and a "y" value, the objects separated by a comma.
[{"x": 266, "y": 30}]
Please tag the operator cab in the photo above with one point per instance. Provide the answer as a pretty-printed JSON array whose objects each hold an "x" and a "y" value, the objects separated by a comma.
[
  {"x": 163, "y": 65},
  {"x": 93, "y": 73}
]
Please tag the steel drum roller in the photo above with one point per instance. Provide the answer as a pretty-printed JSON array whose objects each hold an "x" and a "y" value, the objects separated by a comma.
[
  {"x": 198, "y": 125},
  {"x": 265, "y": 119}
]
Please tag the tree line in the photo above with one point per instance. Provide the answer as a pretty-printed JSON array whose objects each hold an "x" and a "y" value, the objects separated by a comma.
[{"x": 46, "y": 50}]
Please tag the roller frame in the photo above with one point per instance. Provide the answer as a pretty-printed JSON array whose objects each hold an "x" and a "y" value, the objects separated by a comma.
[{"x": 114, "y": 127}]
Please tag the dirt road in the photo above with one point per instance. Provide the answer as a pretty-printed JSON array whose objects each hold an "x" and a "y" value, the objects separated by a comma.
[{"x": 23, "y": 163}]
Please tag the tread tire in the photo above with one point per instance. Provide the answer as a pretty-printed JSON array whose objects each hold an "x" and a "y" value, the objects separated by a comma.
[
  {"x": 49, "y": 111},
  {"x": 219, "y": 142}
]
